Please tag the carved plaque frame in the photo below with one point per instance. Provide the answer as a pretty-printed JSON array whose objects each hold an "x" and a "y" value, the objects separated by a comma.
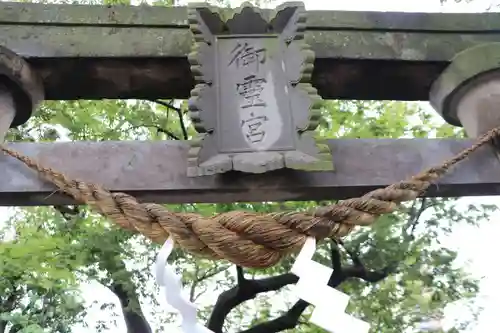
[{"x": 253, "y": 103}]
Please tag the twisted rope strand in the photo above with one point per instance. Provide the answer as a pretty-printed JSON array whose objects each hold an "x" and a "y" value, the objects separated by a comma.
[{"x": 244, "y": 238}]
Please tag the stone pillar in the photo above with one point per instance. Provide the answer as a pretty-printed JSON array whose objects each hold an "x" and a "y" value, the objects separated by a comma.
[
  {"x": 467, "y": 93},
  {"x": 7, "y": 111},
  {"x": 21, "y": 91}
]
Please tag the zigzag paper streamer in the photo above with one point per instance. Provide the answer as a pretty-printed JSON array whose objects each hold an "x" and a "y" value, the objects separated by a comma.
[
  {"x": 329, "y": 303},
  {"x": 166, "y": 277}
]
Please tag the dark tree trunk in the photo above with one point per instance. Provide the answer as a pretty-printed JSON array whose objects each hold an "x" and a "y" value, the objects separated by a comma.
[
  {"x": 125, "y": 290},
  {"x": 134, "y": 318}
]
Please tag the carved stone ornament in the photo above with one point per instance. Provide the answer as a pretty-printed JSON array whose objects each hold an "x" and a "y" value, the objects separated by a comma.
[{"x": 253, "y": 104}]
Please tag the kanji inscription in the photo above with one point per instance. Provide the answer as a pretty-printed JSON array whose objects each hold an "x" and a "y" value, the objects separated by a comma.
[
  {"x": 245, "y": 54},
  {"x": 252, "y": 109},
  {"x": 252, "y": 104},
  {"x": 251, "y": 89},
  {"x": 250, "y": 96}
]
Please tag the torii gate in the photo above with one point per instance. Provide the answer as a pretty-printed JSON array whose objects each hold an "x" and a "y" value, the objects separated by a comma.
[{"x": 94, "y": 52}]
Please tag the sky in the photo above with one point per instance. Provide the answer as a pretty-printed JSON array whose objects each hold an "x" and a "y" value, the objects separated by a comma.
[{"x": 478, "y": 240}]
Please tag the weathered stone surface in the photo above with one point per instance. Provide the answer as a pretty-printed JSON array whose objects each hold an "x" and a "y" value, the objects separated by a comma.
[
  {"x": 176, "y": 17},
  {"x": 140, "y": 52},
  {"x": 7, "y": 111},
  {"x": 156, "y": 172},
  {"x": 142, "y": 41},
  {"x": 21, "y": 84},
  {"x": 477, "y": 107},
  {"x": 253, "y": 102},
  {"x": 122, "y": 31},
  {"x": 467, "y": 92}
]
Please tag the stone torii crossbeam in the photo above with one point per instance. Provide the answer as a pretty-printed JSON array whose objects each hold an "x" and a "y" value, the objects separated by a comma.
[{"x": 141, "y": 52}]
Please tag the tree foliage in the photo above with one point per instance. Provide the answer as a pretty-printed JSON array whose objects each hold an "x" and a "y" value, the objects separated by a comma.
[{"x": 397, "y": 272}]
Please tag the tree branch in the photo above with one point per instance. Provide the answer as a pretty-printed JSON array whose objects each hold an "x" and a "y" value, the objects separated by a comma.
[
  {"x": 15, "y": 328},
  {"x": 353, "y": 254},
  {"x": 335, "y": 256},
  {"x": 245, "y": 290},
  {"x": 367, "y": 275},
  {"x": 358, "y": 269},
  {"x": 287, "y": 321},
  {"x": 134, "y": 318},
  {"x": 179, "y": 114},
  {"x": 159, "y": 130},
  {"x": 165, "y": 104},
  {"x": 199, "y": 278},
  {"x": 127, "y": 295},
  {"x": 67, "y": 212},
  {"x": 414, "y": 218},
  {"x": 290, "y": 319},
  {"x": 9, "y": 305}
]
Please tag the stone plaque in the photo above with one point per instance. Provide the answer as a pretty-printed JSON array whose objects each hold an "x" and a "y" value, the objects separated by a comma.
[{"x": 253, "y": 104}]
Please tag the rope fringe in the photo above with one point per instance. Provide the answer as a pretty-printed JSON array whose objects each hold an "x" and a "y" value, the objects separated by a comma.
[{"x": 244, "y": 238}]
